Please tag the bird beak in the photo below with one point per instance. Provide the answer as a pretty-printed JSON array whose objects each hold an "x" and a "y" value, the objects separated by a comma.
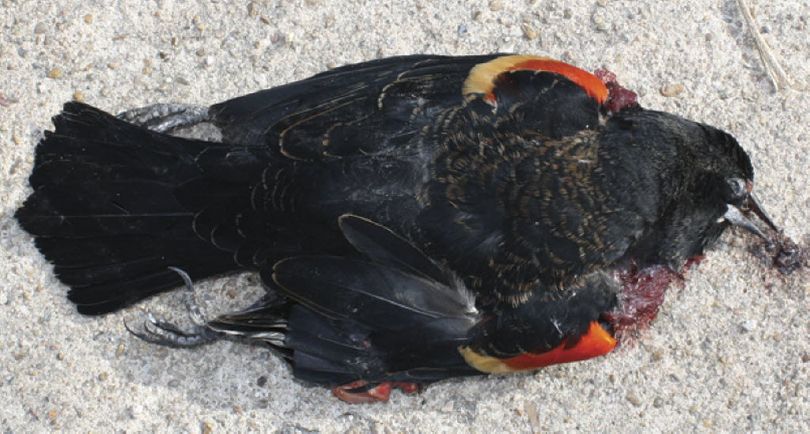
[
  {"x": 737, "y": 217},
  {"x": 756, "y": 208}
]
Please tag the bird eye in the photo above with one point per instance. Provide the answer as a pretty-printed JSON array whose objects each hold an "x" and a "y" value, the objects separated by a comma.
[{"x": 736, "y": 188}]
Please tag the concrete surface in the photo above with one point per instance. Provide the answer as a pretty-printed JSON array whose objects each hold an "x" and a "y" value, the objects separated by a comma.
[{"x": 730, "y": 350}]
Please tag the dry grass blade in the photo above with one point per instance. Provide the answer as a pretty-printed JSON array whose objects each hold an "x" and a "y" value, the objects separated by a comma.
[{"x": 776, "y": 73}]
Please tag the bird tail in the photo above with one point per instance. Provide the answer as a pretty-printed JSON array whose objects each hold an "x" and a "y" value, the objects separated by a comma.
[{"x": 105, "y": 213}]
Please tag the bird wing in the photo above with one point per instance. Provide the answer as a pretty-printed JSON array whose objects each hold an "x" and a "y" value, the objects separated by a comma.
[
  {"x": 391, "y": 314},
  {"x": 395, "y": 286},
  {"x": 354, "y": 109},
  {"x": 382, "y": 104}
]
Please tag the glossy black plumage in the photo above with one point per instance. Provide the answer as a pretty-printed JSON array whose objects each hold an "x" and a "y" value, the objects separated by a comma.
[{"x": 373, "y": 197}]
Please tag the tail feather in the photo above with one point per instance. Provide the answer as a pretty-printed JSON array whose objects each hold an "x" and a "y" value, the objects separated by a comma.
[{"x": 106, "y": 213}]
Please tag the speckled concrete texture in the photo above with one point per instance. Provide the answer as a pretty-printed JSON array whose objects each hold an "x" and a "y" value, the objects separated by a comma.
[{"x": 730, "y": 350}]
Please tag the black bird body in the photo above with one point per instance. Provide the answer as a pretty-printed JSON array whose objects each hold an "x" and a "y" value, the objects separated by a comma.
[{"x": 414, "y": 218}]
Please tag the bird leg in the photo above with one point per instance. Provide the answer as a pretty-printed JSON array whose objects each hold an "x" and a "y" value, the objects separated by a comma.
[
  {"x": 161, "y": 332},
  {"x": 164, "y": 118},
  {"x": 361, "y": 392}
]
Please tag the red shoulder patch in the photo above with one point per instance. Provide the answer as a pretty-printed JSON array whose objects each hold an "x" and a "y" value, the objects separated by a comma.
[
  {"x": 482, "y": 77},
  {"x": 595, "y": 342}
]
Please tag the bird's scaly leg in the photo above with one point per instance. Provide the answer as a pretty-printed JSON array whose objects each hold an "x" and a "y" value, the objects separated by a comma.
[
  {"x": 158, "y": 331},
  {"x": 164, "y": 118}
]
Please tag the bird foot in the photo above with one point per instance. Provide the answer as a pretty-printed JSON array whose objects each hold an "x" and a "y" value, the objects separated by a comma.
[
  {"x": 158, "y": 331},
  {"x": 161, "y": 332},
  {"x": 359, "y": 392},
  {"x": 164, "y": 118}
]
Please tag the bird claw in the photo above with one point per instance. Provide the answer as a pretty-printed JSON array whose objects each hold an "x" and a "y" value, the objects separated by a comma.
[
  {"x": 161, "y": 332},
  {"x": 158, "y": 331}
]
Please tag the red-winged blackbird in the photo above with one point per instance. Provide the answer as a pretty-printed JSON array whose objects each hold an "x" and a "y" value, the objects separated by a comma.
[{"x": 413, "y": 218}]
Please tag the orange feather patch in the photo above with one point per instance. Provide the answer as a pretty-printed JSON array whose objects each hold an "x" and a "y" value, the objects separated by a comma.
[
  {"x": 482, "y": 77},
  {"x": 595, "y": 342}
]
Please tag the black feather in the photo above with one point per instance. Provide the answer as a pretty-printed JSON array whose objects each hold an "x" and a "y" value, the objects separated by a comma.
[{"x": 105, "y": 212}]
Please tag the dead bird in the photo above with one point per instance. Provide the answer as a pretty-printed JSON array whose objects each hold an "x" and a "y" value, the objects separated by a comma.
[{"x": 412, "y": 218}]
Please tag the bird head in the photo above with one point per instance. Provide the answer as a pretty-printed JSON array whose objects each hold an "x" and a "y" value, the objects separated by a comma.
[
  {"x": 699, "y": 178},
  {"x": 733, "y": 182},
  {"x": 718, "y": 190}
]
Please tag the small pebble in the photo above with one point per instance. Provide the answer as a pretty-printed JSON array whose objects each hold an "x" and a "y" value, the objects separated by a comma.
[
  {"x": 634, "y": 399},
  {"x": 671, "y": 90},
  {"x": 147, "y": 67},
  {"x": 495, "y": 5},
  {"x": 6, "y": 101},
  {"x": 88, "y": 19},
  {"x": 533, "y": 415},
  {"x": 253, "y": 9},
  {"x": 52, "y": 415},
  {"x": 602, "y": 3},
  {"x": 78, "y": 96},
  {"x": 103, "y": 376},
  {"x": 261, "y": 381},
  {"x": 529, "y": 32},
  {"x": 600, "y": 23},
  {"x": 805, "y": 357},
  {"x": 567, "y": 13},
  {"x": 40, "y": 28},
  {"x": 278, "y": 37},
  {"x": 119, "y": 350},
  {"x": 658, "y": 402},
  {"x": 55, "y": 73},
  {"x": 207, "y": 427},
  {"x": 749, "y": 325},
  {"x": 198, "y": 23}
]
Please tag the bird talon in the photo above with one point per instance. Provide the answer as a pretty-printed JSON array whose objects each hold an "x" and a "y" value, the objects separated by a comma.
[
  {"x": 195, "y": 313},
  {"x": 158, "y": 330}
]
